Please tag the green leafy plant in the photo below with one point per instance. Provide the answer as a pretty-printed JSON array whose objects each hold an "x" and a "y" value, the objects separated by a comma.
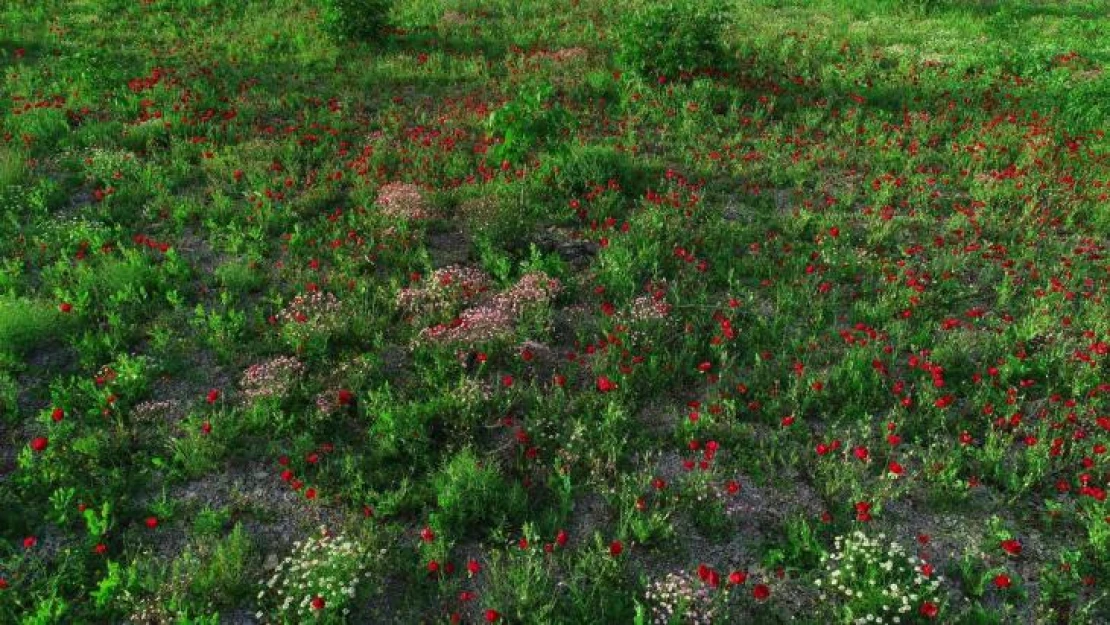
[
  {"x": 672, "y": 38},
  {"x": 472, "y": 495},
  {"x": 532, "y": 120},
  {"x": 357, "y": 20}
]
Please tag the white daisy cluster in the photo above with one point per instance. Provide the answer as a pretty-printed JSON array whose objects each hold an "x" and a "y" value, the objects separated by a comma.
[
  {"x": 321, "y": 574},
  {"x": 679, "y": 598},
  {"x": 874, "y": 581}
]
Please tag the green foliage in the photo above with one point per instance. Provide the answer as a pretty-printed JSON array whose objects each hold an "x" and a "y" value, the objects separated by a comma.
[
  {"x": 223, "y": 575},
  {"x": 355, "y": 20},
  {"x": 471, "y": 495},
  {"x": 26, "y": 324},
  {"x": 534, "y": 119},
  {"x": 672, "y": 38}
]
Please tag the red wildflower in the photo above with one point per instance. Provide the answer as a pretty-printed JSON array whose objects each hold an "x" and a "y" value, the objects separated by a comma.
[
  {"x": 1003, "y": 581},
  {"x": 318, "y": 603},
  {"x": 58, "y": 414},
  {"x": 761, "y": 592},
  {"x": 30, "y": 542},
  {"x": 863, "y": 511},
  {"x": 152, "y": 522},
  {"x": 929, "y": 609},
  {"x": 616, "y": 548},
  {"x": 1012, "y": 547},
  {"x": 737, "y": 577},
  {"x": 561, "y": 538},
  {"x": 427, "y": 535},
  {"x": 492, "y": 616},
  {"x": 473, "y": 567},
  {"x": 213, "y": 395},
  {"x": 605, "y": 385},
  {"x": 39, "y": 443},
  {"x": 65, "y": 307}
]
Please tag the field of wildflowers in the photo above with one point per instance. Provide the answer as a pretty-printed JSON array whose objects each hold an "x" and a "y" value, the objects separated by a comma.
[{"x": 456, "y": 311}]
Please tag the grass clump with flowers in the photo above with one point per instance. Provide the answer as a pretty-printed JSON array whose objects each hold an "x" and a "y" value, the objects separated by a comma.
[{"x": 661, "y": 312}]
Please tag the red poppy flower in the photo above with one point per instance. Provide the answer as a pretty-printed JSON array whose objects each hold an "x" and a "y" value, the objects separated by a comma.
[
  {"x": 616, "y": 548},
  {"x": 561, "y": 538},
  {"x": 57, "y": 415},
  {"x": 863, "y": 511},
  {"x": 737, "y": 577},
  {"x": 213, "y": 395},
  {"x": 345, "y": 397},
  {"x": 100, "y": 549},
  {"x": 929, "y": 609},
  {"x": 1012, "y": 547},
  {"x": 39, "y": 443},
  {"x": 310, "y": 493},
  {"x": 427, "y": 535},
  {"x": 318, "y": 603},
  {"x": 65, "y": 307},
  {"x": 3, "y": 583},
  {"x": 473, "y": 567},
  {"x": 605, "y": 385},
  {"x": 761, "y": 592},
  {"x": 206, "y": 428},
  {"x": 1003, "y": 581},
  {"x": 152, "y": 522},
  {"x": 507, "y": 381},
  {"x": 30, "y": 542},
  {"x": 492, "y": 616}
]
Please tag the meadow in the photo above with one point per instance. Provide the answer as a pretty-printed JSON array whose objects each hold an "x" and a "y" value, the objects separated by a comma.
[{"x": 449, "y": 311}]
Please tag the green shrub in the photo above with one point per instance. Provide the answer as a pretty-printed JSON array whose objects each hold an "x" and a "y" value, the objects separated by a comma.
[
  {"x": 26, "y": 324},
  {"x": 355, "y": 20},
  {"x": 473, "y": 495},
  {"x": 669, "y": 39}
]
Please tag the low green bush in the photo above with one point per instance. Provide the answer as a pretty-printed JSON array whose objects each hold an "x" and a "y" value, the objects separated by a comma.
[
  {"x": 355, "y": 20},
  {"x": 673, "y": 38}
]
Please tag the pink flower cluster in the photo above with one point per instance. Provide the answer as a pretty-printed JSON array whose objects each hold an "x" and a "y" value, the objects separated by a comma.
[
  {"x": 497, "y": 317},
  {"x": 272, "y": 378},
  {"x": 403, "y": 200},
  {"x": 645, "y": 308},
  {"x": 442, "y": 290}
]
